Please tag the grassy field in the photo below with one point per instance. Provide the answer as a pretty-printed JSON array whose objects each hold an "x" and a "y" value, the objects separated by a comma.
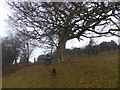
[{"x": 99, "y": 71}]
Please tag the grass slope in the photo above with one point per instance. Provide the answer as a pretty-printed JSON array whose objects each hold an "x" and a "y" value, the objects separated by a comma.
[{"x": 100, "y": 71}]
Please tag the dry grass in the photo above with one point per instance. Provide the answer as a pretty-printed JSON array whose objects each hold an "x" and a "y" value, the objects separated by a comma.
[{"x": 100, "y": 71}]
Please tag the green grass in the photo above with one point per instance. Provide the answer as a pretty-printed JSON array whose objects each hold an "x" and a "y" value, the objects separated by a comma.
[{"x": 99, "y": 71}]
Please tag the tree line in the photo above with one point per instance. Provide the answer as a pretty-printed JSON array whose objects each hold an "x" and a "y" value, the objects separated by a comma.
[
  {"x": 90, "y": 49},
  {"x": 96, "y": 49},
  {"x": 16, "y": 46}
]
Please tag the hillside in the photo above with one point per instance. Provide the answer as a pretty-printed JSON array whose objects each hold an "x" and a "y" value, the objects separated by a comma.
[{"x": 99, "y": 71}]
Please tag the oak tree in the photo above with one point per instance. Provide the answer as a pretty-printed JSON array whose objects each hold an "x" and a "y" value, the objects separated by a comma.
[{"x": 55, "y": 23}]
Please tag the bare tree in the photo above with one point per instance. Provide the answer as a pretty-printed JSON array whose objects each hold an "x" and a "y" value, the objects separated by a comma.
[
  {"x": 26, "y": 47},
  {"x": 58, "y": 22},
  {"x": 10, "y": 50}
]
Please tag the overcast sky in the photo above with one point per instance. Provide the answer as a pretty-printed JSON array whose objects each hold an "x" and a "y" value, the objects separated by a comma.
[{"x": 4, "y": 10}]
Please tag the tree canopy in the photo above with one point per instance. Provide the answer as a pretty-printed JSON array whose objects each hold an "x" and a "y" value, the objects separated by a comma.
[{"x": 54, "y": 23}]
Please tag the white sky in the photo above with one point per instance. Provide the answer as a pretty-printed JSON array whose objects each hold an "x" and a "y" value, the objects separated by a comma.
[
  {"x": 3, "y": 16},
  {"x": 70, "y": 44}
]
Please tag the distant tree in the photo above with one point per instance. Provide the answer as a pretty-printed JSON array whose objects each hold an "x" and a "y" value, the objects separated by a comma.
[
  {"x": 108, "y": 46},
  {"x": 26, "y": 47},
  {"x": 41, "y": 59},
  {"x": 69, "y": 51},
  {"x": 10, "y": 51},
  {"x": 58, "y": 22},
  {"x": 34, "y": 61},
  {"x": 96, "y": 48},
  {"x": 103, "y": 46},
  {"x": 91, "y": 42},
  {"x": 119, "y": 46},
  {"x": 90, "y": 46},
  {"x": 76, "y": 51},
  {"x": 113, "y": 45}
]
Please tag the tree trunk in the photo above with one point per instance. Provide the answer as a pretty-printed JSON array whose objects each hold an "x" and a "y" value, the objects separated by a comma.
[
  {"x": 27, "y": 46},
  {"x": 34, "y": 60},
  {"x": 61, "y": 54},
  {"x": 16, "y": 62}
]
